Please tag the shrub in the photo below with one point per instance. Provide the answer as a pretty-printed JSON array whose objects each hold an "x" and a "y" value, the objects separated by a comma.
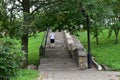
[{"x": 11, "y": 57}]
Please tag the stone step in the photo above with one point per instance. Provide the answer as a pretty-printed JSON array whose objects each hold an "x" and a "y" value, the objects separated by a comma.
[
  {"x": 57, "y": 67},
  {"x": 53, "y": 68},
  {"x": 60, "y": 64},
  {"x": 56, "y": 52},
  {"x": 57, "y": 60},
  {"x": 57, "y": 45},
  {"x": 56, "y": 49},
  {"x": 56, "y": 56}
]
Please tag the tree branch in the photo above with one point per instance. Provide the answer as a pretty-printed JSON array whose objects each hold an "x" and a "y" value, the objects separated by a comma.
[
  {"x": 44, "y": 4},
  {"x": 20, "y": 1},
  {"x": 33, "y": 3}
]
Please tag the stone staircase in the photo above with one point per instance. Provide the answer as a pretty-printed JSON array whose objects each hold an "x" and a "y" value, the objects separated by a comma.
[{"x": 57, "y": 58}]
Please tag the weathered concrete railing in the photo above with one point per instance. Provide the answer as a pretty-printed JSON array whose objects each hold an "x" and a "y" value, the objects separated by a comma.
[
  {"x": 70, "y": 43},
  {"x": 76, "y": 50}
]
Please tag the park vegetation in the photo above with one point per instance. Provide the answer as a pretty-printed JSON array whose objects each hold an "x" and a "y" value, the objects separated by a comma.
[
  {"x": 20, "y": 19},
  {"x": 11, "y": 57},
  {"x": 107, "y": 52}
]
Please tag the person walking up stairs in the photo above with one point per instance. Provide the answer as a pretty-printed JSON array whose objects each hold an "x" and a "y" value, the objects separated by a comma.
[{"x": 57, "y": 58}]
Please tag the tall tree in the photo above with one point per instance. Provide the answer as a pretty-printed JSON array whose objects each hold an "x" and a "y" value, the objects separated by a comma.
[
  {"x": 115, "y": 19},
  {"x": 64, "y": 14},
  {"x": 4, "y": 22},
  {"x": 26, "y": 9},
  {"x": 59, "y": 14},
  {"x": 101, "y": 12}
]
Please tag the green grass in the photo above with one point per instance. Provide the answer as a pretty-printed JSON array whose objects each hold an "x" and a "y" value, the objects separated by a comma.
[
  {"x": 106, "y": 52},
  {"x": 33, "y": 58},
  {"x": 33, "y": 48},
  {"x": 25, "y": 74}
]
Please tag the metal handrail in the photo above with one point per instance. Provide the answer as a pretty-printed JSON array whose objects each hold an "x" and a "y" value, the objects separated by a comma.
[
  {"x": 43, "y": 45},
  {"x": 46, "y": 39}
]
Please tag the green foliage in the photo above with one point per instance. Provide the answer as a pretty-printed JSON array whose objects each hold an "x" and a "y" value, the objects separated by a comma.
[
  {"x": 98, "y": 8},
  {"x": 25, "y": 74},
  {"x": 106, "y": 52},
  {"x": 3, "y": 17},
  {"x": 39, "y": 22},
  {"x": 33, "y": 51},
  {"x": 62, "y": 15},
  {"x": 11, "y": 57}
]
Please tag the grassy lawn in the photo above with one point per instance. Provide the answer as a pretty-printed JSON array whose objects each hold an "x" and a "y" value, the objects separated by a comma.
[
  {"x": 33, "y": 48},
  {"x": 106, "y": 52},
  {"x": 33, "y": 58},
  {"x": 25, "y": 74}
]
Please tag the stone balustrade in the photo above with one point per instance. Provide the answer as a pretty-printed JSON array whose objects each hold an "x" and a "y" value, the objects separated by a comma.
[{"x": 76, "y": 50}]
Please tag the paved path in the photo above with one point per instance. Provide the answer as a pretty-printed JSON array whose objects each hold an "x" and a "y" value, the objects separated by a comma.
[
  {"x": 57, "y": 65},
  {"x": 79, "y": 75}
]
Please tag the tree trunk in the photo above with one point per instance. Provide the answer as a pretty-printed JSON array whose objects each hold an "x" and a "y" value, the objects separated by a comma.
[
  {"x": 109, "y": 34},
  {"x": 24, "y": 38},
  {"x": 25, "y": 48},
  {"x": 116, "y": 37}
]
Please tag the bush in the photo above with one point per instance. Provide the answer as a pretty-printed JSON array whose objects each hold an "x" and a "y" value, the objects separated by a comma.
[{"x": 11, "y": 58}]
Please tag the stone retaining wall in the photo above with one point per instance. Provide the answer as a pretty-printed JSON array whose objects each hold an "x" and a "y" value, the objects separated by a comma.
[{"x": 77, "y": 51}]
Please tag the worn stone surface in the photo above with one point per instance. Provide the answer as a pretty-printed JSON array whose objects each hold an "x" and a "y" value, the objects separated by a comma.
[
  {"x": 57, "y": 58},
  {"x": 79, "y": 75},
  {"x": 82, "y": 62},
  {"x": 76, "y": 51},
  {"x": 33, "y": 67},
  {"x": 55, "y": 66}
]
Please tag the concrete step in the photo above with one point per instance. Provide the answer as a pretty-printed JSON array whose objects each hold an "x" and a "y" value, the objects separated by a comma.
[
  {"x": 57, "y": 67},
  {"x": 57, "y": 64},
  {"x": 57, "y": 61},
  {"x": 56, "y": 49},
  {"x": 56, "y": 56},
  {"x": 61, "y": 64},
  {"x": 56, "y": 53},
  {"x": 57, "y": 45}
]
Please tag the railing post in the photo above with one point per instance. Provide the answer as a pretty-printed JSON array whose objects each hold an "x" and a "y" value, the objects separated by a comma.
[{"x": 45, "y": 41}]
